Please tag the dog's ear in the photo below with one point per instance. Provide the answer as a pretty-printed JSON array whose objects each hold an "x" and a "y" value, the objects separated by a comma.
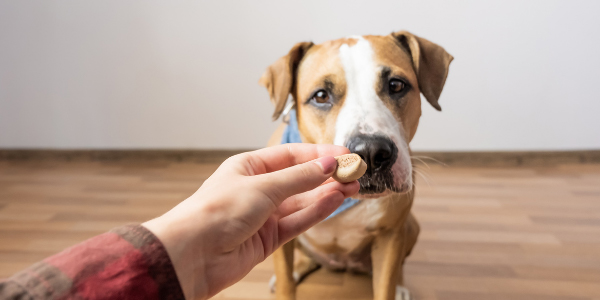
[
  {"x": 280, "y": 77},
  {"x": 431, "y": 63}
]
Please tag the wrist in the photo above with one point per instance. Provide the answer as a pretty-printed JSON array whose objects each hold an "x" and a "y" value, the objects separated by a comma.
[{"x": 187, "y": 258}]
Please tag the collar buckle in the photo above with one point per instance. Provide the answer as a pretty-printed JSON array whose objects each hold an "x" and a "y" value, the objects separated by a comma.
[{"x": 286, "y": 111}]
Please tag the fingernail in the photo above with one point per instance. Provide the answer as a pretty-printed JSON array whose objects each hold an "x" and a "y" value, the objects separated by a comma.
[{"x": 327, "y": 164}]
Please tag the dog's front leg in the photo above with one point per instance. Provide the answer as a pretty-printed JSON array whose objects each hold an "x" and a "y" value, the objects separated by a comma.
[
  {"x": 285, "y": 286},
  {"x": 387, "y": 254}
]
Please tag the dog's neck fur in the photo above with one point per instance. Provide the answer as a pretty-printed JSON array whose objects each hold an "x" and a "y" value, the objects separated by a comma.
[{"x": 346, "y": 247}]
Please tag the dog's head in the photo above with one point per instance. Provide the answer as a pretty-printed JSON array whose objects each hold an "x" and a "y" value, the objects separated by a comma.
[{"x": 363, "y": 93}]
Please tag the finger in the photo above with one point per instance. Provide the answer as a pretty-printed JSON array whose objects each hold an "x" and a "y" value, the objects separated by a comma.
[
  {"x": 282, "y": 184},
  {"x": 330, "y": 180},
  {"x": 304, "y": 200},
  {"x": 283, "y": 156},
  {"x": 300, "y": 221}
]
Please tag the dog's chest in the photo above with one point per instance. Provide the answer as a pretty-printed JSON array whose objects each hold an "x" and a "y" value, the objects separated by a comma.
[{"x": 343, "y": 242}]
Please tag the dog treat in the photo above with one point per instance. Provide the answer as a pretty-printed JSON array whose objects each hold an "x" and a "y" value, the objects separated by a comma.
[{"x": 350, "y": 167}]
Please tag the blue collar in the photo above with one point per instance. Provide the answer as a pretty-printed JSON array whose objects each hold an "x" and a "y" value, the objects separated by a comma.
[{"x": 292, "y": 135}]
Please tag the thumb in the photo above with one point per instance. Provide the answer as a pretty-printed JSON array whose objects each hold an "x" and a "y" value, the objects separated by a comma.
[{"x": 280, "y": 185}]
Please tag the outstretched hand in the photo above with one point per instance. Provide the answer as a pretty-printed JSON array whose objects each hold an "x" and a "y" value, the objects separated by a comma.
[{"x": 254, "y": 203}]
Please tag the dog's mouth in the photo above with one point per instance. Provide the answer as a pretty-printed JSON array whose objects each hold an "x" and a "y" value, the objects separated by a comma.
[
  {"x": 378, "y": 185},
  {"x": 375, "y": 192},
  {"x": 382, "y": 183},
  {"x": 367, "y": 187}
]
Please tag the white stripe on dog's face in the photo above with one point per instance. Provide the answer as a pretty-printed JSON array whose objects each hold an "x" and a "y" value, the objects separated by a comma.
[{"x": 363, "y": 112}]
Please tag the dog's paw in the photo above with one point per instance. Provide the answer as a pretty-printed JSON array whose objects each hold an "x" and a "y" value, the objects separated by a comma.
[
  {"x": 273, "y": 281},
  {"x": 402, "y": 293}
]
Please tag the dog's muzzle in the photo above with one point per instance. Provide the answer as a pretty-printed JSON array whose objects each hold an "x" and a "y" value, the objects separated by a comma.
[{"x": 380, "y": 154}]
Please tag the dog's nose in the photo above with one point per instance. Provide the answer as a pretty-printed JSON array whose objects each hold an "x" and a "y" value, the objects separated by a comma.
[{"x": 378, "y": 152}]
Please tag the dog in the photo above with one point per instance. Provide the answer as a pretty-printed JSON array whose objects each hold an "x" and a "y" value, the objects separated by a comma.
[{"x": 361, "y": 92}]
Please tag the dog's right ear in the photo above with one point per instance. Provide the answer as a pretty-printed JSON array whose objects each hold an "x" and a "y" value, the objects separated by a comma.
[{"x": 280, "y": 77}]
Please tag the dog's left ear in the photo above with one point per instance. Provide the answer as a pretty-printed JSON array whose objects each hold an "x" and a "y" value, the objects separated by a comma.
[
  {"x": 280, "y": 77},
  {"x": 431, "y": 63}
]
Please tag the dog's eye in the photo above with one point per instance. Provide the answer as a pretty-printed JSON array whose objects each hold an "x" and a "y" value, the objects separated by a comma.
[
  {"x": 321, "y": 96},
  {"x": 396, "y": 86},
  {"x": 321, "y": 99}
]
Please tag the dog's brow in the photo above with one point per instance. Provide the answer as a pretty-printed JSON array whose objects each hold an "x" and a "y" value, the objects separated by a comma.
[
  {"x": 386, "y": 73},
  {"x": 384, "y": 76},
  {"x": 328, "y": 84}
]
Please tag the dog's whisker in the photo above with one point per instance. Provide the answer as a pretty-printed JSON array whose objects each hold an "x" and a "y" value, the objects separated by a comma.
[
  {"x": 422, "y": 161},
  {"x": 426, "y": 174},
  {"x": 430, "y": 158},
  {"x": 423, "y": 176}
]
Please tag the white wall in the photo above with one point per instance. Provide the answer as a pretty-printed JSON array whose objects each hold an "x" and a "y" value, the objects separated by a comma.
[{"x": 175, "y": 74}]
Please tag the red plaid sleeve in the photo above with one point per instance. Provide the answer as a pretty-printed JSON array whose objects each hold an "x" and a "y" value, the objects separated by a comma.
[{"x": 128, "y": 262}]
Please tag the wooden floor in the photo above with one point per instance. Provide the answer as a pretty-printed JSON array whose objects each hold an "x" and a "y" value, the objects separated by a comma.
[{"x": 487, "y": 233}]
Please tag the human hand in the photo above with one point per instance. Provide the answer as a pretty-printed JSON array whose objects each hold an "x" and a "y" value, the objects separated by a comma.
[{"x": 254, "y": 203}]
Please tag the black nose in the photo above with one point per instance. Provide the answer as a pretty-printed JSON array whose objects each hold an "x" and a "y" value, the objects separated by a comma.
[{"x": 378, "y": 152}]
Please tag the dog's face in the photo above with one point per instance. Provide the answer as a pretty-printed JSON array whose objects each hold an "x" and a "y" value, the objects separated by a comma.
[{"x": 363, "y": 93}]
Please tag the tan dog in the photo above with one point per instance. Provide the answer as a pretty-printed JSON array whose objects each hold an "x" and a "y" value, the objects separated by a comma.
[{"x": 363, "y": 93}]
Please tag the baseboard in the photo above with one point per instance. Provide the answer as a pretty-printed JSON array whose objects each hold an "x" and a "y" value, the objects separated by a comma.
[
  {"x": 507, "y": 158},
  {"x": 198, "y": 156}
]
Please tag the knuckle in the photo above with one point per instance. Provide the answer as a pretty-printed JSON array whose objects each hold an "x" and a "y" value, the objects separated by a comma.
[{"x": 306, "y": 174}]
